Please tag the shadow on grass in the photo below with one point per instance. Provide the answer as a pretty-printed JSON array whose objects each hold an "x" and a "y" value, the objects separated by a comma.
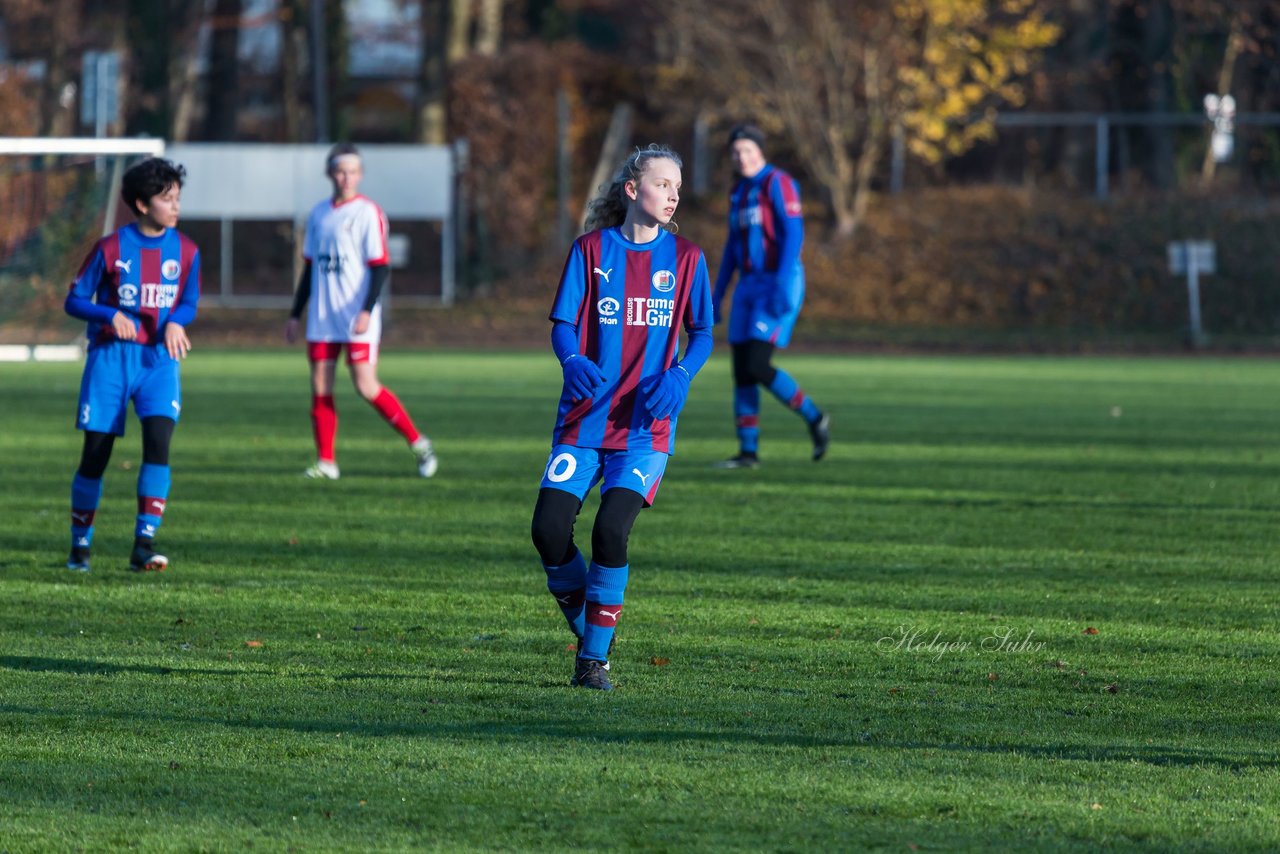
[{"x": 35, "y": 664}]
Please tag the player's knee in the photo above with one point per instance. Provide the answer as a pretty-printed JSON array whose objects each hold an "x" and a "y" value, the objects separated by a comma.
[
  {"x": 157, "y": 434},
  {"x": 759, "y": 357},
  {"x": 618, "y": 511},
  {"x": 552, "y": 527},
  {"x": 96, "y": 454}
]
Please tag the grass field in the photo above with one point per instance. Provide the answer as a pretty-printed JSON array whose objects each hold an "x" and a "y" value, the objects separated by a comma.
[{"x": 894, "y": 649}]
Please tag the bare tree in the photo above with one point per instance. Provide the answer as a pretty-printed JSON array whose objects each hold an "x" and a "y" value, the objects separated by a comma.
[{"x": 837, "y": 77}]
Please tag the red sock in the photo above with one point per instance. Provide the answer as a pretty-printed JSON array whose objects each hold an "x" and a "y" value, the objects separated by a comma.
[
  {"x": 324, "y": 425},
  {"x": 388, "y": 406}
]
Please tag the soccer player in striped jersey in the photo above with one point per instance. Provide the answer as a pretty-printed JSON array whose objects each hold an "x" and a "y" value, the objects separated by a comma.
[
  {"x": 766, "y": 231},
  {"x": 346, "y": 267},
  {"x": 627, "y": 288},
  {"x": 138, "y": 289}
]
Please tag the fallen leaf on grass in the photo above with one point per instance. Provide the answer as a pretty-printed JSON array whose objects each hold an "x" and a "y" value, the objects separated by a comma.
[
  {"x": 293, "y": 541},
  {"x": 1059, "y": 664},
  {"x": 991, "y": 677},
  {"x": 657, "y": 661},
  {"x": 1095, "y": 806},
  {"x": 174, "y": 766},
  {"x": 253, "y": 643},
  {"x": 1113, "y": 688},
  {"x": 1090, "y": 631},
  {"x": 896, "y": 690}
]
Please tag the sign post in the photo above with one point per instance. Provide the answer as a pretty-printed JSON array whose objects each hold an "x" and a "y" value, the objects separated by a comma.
[{"x": 1193, "y": 257}]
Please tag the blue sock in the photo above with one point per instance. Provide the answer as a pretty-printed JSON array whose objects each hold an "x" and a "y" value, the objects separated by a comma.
[
  {"x": 789, "y": 392},
  {"x": 746, "y": 413},
  {"x": 153, "y": 495},
  {"x": 86, "y": 493},
  {"x": 568, "y": 583},
  {"x": 605, "y": 586}
]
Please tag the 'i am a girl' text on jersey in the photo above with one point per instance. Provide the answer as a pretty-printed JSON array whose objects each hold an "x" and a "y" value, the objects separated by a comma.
[
  {"x": 154, "y": 280},
  {"x": 628, "y": 301}
]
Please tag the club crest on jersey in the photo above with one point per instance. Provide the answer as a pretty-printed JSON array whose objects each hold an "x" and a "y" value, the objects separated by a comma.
[
  {"x": 607, "y": 308},
  {"x": 664, "y": 281},
  {"x": 169, "y": 269},
  {"x": 128, "y": 295}
]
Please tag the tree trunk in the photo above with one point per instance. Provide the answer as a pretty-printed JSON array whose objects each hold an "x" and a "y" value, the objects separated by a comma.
[
  {"x": 63, "y": 17},
  {"x": 1156, "y": 38},
  {"x": 1235, "y": 39},
  {"x": 224, "y": 71},
  {"x": 429, "y": 117},
  {"x": 460, "y": 15},
  {"x": 293, "y": 64},
  {"x": 489, "y": 27},
  {"x": 182, "y": 86}
]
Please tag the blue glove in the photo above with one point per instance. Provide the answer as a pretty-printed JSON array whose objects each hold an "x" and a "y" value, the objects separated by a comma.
[
  {"x": 581, "y": 377},
  {"x": 666, "y": 393}
]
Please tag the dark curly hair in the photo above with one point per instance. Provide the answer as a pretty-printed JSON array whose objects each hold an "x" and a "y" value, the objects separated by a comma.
[{"x": 149, "y": 178}]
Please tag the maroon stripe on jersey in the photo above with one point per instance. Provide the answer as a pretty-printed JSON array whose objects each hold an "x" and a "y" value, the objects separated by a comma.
[
  {"x": 635, "y": 340},
  {"x": 769, "y": 228},
  {"x": 150, "y": 505},
  {"x": 148, "y": 292},
  {"x": 383, "y": 228},
  {"x": 605, "y": 616},
  {"x": 83, "y": 518},
  {"x": 109, "y": 295},
  {"x": 790, "y": 195},
  {"x": 187, "y": 258}
]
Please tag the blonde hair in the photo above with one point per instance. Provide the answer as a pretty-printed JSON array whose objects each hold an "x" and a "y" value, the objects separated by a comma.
[{"x": 609, "y": 209}]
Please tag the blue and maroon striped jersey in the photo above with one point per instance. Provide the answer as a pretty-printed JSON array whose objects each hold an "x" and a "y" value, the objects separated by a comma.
[
  {"x": 766, "y": 228},
  {"x": 151, "y": 279},
  {"x": 628, "y": 301}
]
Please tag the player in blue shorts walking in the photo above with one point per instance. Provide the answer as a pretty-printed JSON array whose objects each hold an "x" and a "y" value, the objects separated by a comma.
[
  {"x": 766, "y": 231},
  {"x": 138, "y": 290},
  {"x": 628, "y": 286}
]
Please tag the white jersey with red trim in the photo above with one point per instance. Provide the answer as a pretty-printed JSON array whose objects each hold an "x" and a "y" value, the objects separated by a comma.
[{"x": 343, "y": 241}]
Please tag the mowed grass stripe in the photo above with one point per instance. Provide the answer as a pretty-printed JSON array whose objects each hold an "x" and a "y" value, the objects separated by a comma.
[{"x": 885, "y": 649}]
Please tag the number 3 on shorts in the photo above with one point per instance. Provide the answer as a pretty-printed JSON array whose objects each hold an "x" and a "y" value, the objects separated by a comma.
[{"x": 561, "y": 467}]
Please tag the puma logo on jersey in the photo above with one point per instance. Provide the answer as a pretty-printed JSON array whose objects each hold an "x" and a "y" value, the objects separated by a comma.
[
  {"x": 604, "y": 274},
  {"x": 125, "y": 265},
  {"x": 644, "y": 478},
  {"x": 612, "y": 616}
]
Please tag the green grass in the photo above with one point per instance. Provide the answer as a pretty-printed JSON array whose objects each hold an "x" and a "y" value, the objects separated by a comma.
[{"x": 410, "y": 686}]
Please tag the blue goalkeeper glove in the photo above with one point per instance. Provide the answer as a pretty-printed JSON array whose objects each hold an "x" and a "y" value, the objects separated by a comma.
[
  {"x": 666, "y": 393},
  {"x": 581, "y": 377}
]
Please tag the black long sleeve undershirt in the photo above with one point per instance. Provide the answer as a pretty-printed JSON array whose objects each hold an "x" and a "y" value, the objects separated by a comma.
[
  {"x": 302, "y": 292},
  {"x": 378, "y": 277}
]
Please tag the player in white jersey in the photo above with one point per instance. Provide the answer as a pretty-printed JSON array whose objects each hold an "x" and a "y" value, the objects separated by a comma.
[{"x": 345, "y": 270}]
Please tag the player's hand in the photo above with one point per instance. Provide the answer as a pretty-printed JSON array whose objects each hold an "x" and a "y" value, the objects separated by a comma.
[
  {"x": 581, "y": 377},
  {"x": 124, "y": 326},
  {"x": 716, "y": 316},
  {"x": 176, "y": 341},
  {"x": 361, "y": 326},
  {"x": 666, "y": 393},
  {"x": 291, "y": 330}
]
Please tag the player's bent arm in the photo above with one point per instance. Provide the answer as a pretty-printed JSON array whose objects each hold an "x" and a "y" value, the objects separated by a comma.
[
  {"x": 564, "y": 340},
  {"x": 379, "y": 274},
  {"x": 697, "y": 351},
  {"x": 302, "y": 292}
]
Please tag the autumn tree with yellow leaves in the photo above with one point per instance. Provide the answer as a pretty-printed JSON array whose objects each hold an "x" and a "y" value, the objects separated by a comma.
[{"x": 838, "y": 77}]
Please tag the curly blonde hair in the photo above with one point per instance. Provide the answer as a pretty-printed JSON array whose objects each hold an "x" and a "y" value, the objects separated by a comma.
[{"x": 609, "y": 209}]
